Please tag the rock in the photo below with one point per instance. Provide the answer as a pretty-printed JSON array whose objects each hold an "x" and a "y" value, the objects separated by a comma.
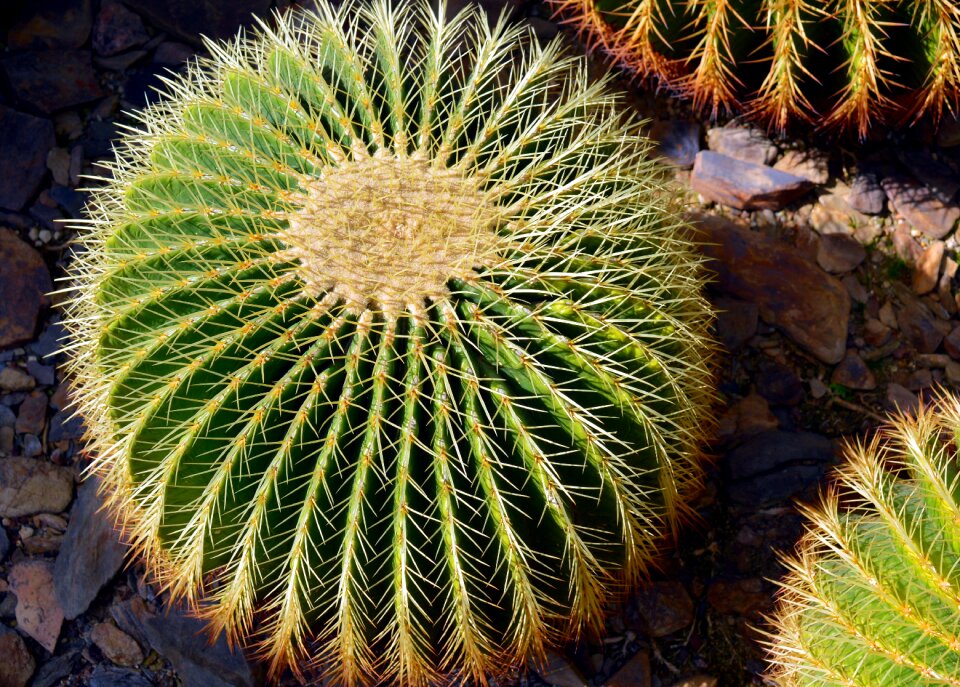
[
  {"x": 857, "y": 291},
  {"x": 838, "y": 253},
  {"x": 634, "y": 673},
  {"x": 749, "y": 145},
  {"x": 664, "y": 607},
  {"x": 901, "y": 399},
  {"x": 109, "y": 676},
  {"x": 876, "y": 333},
  {"x": 38, "y": 613},
  {"x": 736, "y": 321},
  {"x": 812, "y": 165},
  {"x": 116, "y": 644},
  {"x": 44, "y": 375},
  {"x": 919, "y": 326},
  {"x": 29, "y": 486},
  {"x": 58, "y": 162},
  {"x": 51, "y": 24},
  {"x": 171, "y": 54},
  {"x": 937, "y": 176},
  {"x": 17, "y": 664},
  {"x": 24, "y": 143},
  {"x": 948, "y": 135},
  {"x": 779, "y": 384},
  {"x": 188, "y": 19},
  {"x": 926, "y": 274},
  {"x": 678, "y": 140},
  {"x": 751, "y": 415},
  {"x": 951, "y": 343},
  {"x": 47, "y": 346},
  {"x": 905, "y": 246},
  {"x": 7, "y": 436},
  {"x": 559, "y": 671},
  {"x": 91, "y": 553},
  {"x": 4, "y": 543},
  {"x": 53, "y": 670},
  {"x": 31, "y": 445},
  {"x": 745, "y": 597},
  {"x": 7, "y": 417},
  {"x": 121, "y": 62},
  {"x": 777, "y": 465},
  {"x": 32, "y": 415},
  {"x": 744, "y": 185},
  {"x": 853, "y": 373},
  {"x": 15, "y": 379},
  {"x": 65, "y": 425},
  {"x": 117, "y": 29},
  {"x": 790, "y": 291},
  {"x": 920, "y": 207},
  {"x": 832, "y": 214},
  {"x": 866, "y": 194},
  {"x": 50, "y": 80}
]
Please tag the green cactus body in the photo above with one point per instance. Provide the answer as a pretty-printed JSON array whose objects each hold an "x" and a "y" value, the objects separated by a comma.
[
  {"x": 391, "y": 344},
  {"x": 842, "y": 64},
  {"x": 873, "y": 597}
]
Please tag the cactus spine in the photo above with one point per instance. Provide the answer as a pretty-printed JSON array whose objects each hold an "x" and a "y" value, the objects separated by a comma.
[
  {"x": 873, "y": 596},
  {"x": 391, "y": 344},
  {"x": 844, "y": 64}
]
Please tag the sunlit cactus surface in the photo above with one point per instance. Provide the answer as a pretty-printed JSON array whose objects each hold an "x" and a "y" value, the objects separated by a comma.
[
  {"x": 391, "y": 344},
  {"x": 848, "y": 65},
  {"x": 873, "y": 596}
]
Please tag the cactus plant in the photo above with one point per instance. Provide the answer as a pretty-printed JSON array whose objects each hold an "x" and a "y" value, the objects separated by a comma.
[
  {"x": 873, "y": 596},
  {"x": 391, "y": 344},
  {"x": 842, "y": 64}
]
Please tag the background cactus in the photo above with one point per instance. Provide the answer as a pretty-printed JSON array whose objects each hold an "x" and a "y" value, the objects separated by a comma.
[
  {"x": 873, "y": 597},
  {"x": 841, "y": 64},
  {"x": 390, "y": 344}
]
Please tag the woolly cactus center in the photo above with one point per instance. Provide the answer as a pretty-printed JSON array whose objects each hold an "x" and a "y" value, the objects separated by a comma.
[{"x": 388, "y": 234}]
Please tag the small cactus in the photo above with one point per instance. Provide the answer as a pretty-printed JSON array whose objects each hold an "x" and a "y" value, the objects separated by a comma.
[
  {"x": 840, "y": 64},
  {"x": 391, "y": 344},
  {"x": 873, "y": 596}
]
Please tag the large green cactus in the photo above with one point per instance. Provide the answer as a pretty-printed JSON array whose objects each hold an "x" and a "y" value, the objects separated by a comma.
[
  {"x": 842, "y": 64},
  {"x": 391, "y": 344},
  {"x": 873, "y": 597}
]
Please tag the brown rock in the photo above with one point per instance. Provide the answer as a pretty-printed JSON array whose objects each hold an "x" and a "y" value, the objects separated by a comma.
[
  {"x": 919, "y": 326},
  {"x": 921, "y": 207},
  {"x": 33, "y": 413},
  {"x": 16, "y": 662},
  {"x": 951, "y": 343},
  {"x": 15, "y": 379},
  {"x": 751, "y": 415},
  {"x": 664, "y": 607},
  {"x": 746, "y": 597},
  {"x": 634, "y": 673},
  {"x": 853, "y": 373},
  {"x": 51, "y": 80},
  {"x": 901, "y": 399},
  {"x": 736, "y": 321},
  {"x": 748, "y": 145},
  {"x": 24, "y": 142},
  {"x": 744, "y": 185},
  {"x": 38, "y": 613},
  {"x": 906, "y": 247},
  {"x": 30, "y": 485},
  {"x": 117, "y": 29},
  {"x": 866, "y": 194},
  {"x": 116, "y": 645},
  {"x": 560, "y": 671},
  {"x": 876, "y": 333},
  {"x": 24, "y": 283},
  {"x": 52, "y": 24},
  {"x": 926, "y": 274},
  {"x": 699, "y": 680},
  {"x": 812, "y": 165},
  {"x": 791, "y": 292},
  {"x": 838, "y": 253}
]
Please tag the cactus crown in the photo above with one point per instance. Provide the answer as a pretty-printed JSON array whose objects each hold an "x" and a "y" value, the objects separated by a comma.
[
  {"x": 873, "y": 596},
  {"x": 842, "y": 64},
  {"x": 390, "y": 343}
]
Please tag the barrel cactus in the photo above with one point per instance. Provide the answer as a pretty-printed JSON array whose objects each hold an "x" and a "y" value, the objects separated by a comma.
[
  {"x": 873, "y": 596},
  {"x": 390, "y": 342},
  {"x": 842, "y": 64}
]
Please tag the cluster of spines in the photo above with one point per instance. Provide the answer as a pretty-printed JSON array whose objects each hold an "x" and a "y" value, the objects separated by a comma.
[
  {"x": 872, "y": 599},
  {"x": 841, "y": 65},
  {"x": 358, "y": 493}
]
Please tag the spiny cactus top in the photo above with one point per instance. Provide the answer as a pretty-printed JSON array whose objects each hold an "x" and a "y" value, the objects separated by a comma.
[
  {"x": 390, "y": 343},
  {"x": 873, "y": 597},
  {"x": 840, "y": 64}
]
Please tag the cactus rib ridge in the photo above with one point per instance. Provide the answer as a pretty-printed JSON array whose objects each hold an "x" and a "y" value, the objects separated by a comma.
[{"x": 390, "y": 342}]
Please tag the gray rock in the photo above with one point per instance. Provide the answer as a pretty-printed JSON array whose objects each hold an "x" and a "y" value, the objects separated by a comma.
[
  {"x": 91, "y": 553},
  {"x": 65, "y": 425},
  {"x": 24, "y": 143},
  {"x": 866, "y": 194},
  {"x": 749, "y": 145},
  {"x": 16, "y": 662},
  {"x": 47, "y": 346},
  {"x": 921, "y": 207},
  {"x": 44, "y": 374},
  {"x": 53, "y": 670},
  {"x": 790, "y": 291},
  {"x": 50, "y": 80},
  {"x": 678, "y": 140},
  {"x": 188, "y": 19},
  {"x": 4, "y": 543},
  {"x": 744, "y": 185},
  {"x": 777, "y": 465},
  {"x": 942, "y": 179},
  {"x": 29, "y": 486},
  {"x": 7, "y": 417},
  {"x": 111, "y": 676}
]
